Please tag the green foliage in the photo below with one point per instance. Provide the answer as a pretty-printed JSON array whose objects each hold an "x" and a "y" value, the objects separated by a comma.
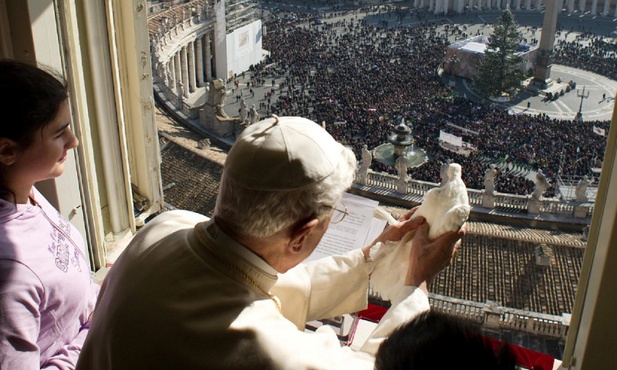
[{"x": 501, "y": 69}]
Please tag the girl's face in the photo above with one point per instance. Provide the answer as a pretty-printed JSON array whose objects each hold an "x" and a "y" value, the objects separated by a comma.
[{"x": 44, "y": 158}]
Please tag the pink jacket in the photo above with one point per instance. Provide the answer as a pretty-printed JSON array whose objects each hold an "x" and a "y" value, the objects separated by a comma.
[{"x": 46, "y": 290}]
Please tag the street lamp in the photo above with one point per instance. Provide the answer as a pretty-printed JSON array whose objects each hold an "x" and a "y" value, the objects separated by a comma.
[{"x": 582, "y": 95}]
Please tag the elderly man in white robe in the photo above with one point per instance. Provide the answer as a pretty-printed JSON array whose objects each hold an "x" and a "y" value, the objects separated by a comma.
[{"x": 231, "y": 292}]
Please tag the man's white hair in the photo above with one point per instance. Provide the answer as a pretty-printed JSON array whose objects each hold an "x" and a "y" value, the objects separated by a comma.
[{"x": 260, "y": 213}]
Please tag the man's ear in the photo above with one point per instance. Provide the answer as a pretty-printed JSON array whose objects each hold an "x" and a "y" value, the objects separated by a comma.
[
  {"x": 8, "y": 151},
  {"x": 300, "y": 233}
]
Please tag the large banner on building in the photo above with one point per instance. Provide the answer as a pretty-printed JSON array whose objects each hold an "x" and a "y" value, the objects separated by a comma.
[
  {"x": 244, "y": 48},
  {"x": 450, "y": 139}
]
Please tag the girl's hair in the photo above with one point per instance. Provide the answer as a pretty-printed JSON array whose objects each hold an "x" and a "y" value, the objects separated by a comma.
[
  {"x": 30, "y": 98},
  {"x": 434, "y": 340}
]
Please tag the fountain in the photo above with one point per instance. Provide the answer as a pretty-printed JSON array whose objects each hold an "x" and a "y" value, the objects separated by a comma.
[{"x": 400, "y": 142}]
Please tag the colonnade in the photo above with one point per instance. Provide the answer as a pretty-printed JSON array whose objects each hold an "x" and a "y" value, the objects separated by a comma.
[
  {"x": 183, "y": 48},
  {"x": 189, "y": 67},
  {"x": 594, "y": 7}
]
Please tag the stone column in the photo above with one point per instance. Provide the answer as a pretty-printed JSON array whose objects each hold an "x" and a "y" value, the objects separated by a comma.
[
  {"x": 459, "y": 6},
  {"x": 607, "y": 6},
  {"x": 164, "y": 77},
  {"x": 547, "y": 43},
  {"x": 539, "y": 6},
  {"x": 208, "y": 59},
  {"x": 570, "y": 6},
  {"x": 527, "y": 4},
  {"x": 178, "y": 77},
  {"x": 190, "y": 48},
  {"x": 581, "y": 6},
  {"x": 200, "y": 61},
  {"x": 172, "y": 74},
  {"x": 185, "y": 71},
  {"x": 594, "y": 7},
  {"x": 416, "y": 3},
  {"x": 517, "y": 4}
]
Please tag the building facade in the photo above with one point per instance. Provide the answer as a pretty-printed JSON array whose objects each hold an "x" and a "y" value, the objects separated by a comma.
[{"x": 606, "y": 8}]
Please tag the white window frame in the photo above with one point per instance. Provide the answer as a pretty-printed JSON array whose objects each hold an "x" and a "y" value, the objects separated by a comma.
[
  {"x": 102, "y": 48},
  {"x": 593, "y": 329}
]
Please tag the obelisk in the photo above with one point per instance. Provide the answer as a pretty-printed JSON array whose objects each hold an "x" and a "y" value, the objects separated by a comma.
[{"x": 547, "y": 41}]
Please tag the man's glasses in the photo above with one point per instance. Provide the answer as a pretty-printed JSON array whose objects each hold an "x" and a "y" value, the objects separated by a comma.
[{"x": 340, "y": 211}]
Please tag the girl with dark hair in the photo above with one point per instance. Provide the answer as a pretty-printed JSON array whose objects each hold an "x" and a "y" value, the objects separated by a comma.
[
  {"x": 46, "y": 291},
  {"x": 434, "y": 340}
]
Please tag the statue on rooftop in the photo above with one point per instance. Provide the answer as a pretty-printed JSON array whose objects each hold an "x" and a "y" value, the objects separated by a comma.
[
  {"x": 244, "y": 112},
  {"x": 489, "y": 179},
  {"x": 581, "y": 189},
  {"x": 217, "y": 94},
  {"x": 254, "y": 115},
  {"x": 541, "y": 185},
  {"x": 401, "y": 167},
  {"x": 367, "y": 157}
]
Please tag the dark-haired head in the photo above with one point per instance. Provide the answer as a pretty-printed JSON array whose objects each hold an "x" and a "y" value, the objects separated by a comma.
[
  {"x": 30, "y": 98},
  {"x": 437, "y": 341}
]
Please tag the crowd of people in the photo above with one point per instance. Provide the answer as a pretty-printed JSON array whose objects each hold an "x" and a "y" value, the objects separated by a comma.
[
  {"x": 361, "y": 80},
  {"x": 590, "y": 52}
]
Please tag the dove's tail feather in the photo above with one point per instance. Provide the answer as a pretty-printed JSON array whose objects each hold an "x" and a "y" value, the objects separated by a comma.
[{"x": 381, "y": 214}]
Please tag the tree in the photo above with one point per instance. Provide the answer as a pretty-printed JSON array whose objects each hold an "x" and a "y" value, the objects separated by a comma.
[{"x": 501, "y": 68}]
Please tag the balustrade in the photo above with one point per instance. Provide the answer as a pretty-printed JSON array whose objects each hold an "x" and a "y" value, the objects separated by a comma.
[
  {"x": 512, "y": 202},
  {"x": 504, "y": 317}
]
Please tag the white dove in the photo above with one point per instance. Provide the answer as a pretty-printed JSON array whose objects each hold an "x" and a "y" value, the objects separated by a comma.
[{"x": 445, "y": 208}]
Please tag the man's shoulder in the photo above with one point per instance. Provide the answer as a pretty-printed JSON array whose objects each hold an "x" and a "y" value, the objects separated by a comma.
[
  {"x": 178, "y": 218},
  {"x": 170, "y": 226}
]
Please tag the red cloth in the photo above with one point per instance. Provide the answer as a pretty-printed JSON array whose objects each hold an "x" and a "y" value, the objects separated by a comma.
[
  {"x": 373, "y": 312},
  {"x": 526, "y": 358}
]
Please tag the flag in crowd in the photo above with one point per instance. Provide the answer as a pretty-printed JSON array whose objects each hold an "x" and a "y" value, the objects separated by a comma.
[{"x": 599, "y": 131}]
